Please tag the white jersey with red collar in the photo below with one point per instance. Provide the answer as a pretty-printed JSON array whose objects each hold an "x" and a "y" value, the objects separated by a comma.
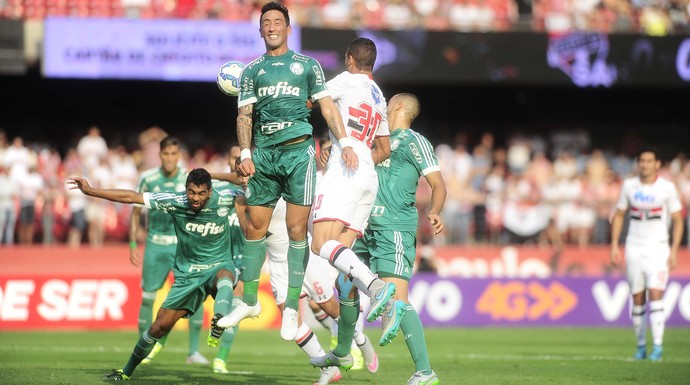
[
  {"x": 363, "y": 109},
  {"x": 650, "y": 208}
]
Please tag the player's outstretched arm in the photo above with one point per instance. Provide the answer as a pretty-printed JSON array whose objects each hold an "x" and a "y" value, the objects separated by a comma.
[
  {"x": 438, "y": 198},
  {"x": 115, "y": 195},
  {"x": 231, "y": 177},
  {"x": 335, "y": 123}
]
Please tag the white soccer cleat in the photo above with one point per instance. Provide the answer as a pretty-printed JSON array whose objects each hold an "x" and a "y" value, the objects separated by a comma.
[
  {"x": 240, "y": 312},
  {"x": 197, "y": 358},
  {"x": 371, "y": 359},
  {"x": 420, "y": 378},
  {"x": 288, "y": 327},
  {"x": 328, "y": 375}
]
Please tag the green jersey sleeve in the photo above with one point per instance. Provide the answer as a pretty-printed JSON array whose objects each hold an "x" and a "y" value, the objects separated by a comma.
[{"x": 421, "y": 154}]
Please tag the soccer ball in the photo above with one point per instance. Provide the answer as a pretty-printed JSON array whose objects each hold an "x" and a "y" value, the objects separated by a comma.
[{"x": 228, "y": 78}]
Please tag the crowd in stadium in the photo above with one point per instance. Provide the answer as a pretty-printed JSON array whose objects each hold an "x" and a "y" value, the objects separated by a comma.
[
  {"x": 554, "y": 190},
  {"x": 652, "y": 17}
]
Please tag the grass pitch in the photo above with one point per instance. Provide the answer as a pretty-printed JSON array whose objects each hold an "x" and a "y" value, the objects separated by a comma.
[{"x": 459, "y": 356}]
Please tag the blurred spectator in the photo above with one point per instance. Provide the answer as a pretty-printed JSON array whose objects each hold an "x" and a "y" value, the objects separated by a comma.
[
  {"x": 9, "y": 192},
  {"x": 100, "y": 177},
  {"x": 30, "y": 188},
  {"x": 149, "y": 142},
  {"x": 48, "y": 164},
  {"x": 92, "y": 148},
  {"x": 18, "y": 159}
]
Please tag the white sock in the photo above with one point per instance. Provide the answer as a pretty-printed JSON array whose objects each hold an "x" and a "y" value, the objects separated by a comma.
[
  {"x": 657, "y": 321},
  {"x": 334, "y": 327},
  {"x": 308, "y": 342},
  {"x": 324, "y": 319},
  {"x": 639, "y": 322},
  {"x": 343, "y": 259}
]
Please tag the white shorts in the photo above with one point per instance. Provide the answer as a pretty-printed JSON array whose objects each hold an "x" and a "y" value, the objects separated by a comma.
[
  {"x": 346, "y": 196},
  {"x": 319, "y": 279},
  {"x": 647, "y": 266}
]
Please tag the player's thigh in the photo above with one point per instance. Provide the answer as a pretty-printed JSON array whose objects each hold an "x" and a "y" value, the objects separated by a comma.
[
  {"x": 297, "y": 168},
  {"x": 634, "y": 268},
  {"x": 345, "y": 197},
  {"x": 361, "y": 247},
  {"x": 393, "y": 253},
  {"x": 264, "y": 187},
  {"x": 158, "y": 261},
  {"x": 655, "y": 266},
  {"x": 319, "y": 279},
  {"x": 188, "y": 293}
]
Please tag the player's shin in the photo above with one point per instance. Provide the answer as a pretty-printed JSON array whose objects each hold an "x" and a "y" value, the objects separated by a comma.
[
  {"x": 308, "y": 342},
  {"x": 146, "y": 311},
  {"x": 349, "y": 312},
  {"x": 141, "y": 350},
  {"x": 413, "y": 330},
  {"x": 297, "y": 256},
  {"x": 195, "y": 322},
  {"x": 639, "y": 322},
  {"x": 252, "y": 261},
  {"x": 346, "y": 261},
  {"x": 657, "y": 321}
]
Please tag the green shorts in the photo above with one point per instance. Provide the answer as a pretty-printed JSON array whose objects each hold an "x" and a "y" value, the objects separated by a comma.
[
  {"x": 158, "y": 261},
  {"x": 190, "y": 290},
  {"x": 391, "y": 253},
  {"x": 288, "y": 171}
]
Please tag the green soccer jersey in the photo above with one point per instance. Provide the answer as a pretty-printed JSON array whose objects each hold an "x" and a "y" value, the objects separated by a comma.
[
  {"x": 154, "y": 180},
  {"x": 411, "y": 156},
  {"x": 203, "y": 236},
  {"x": 236, "y": 236},
  {"x": 279, "y": 87}
]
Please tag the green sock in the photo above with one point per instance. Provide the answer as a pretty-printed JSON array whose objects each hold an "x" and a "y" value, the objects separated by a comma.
[
  {"x": 349, "y": 311},
  {"x": 228, "y": 338},
  {"x": 223, "y": 301},
  {"x": 413, "y": 331},
  {"x": 163, "y": 340},
  {"x": 141, "y": 350},
  {"x": 252, "y": 261},
  {"x": 146, "y": 311},
  {"x": 195, "y": 322},
  {"x": 298, "y": 257}
]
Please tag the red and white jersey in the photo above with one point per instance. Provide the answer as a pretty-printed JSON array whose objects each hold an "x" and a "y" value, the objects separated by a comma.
[
  {"x": 363, "y": 109},
  {"x": 650, "y": 208}
]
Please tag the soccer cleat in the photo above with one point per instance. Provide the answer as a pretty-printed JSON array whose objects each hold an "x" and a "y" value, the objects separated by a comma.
[
  {"x": 390, "y": 321},
  {"x": 288, "y": 327},
  {"x": 331, "y": 359},
  {"x": 197, "y": 358},
  {"x": 657, "y": 351},
  {"x": 215, "y": 332},
  {"x": 420, "y": 378},
  {"x": 641, "y": 353},
  {"x": 371, "y": 359},
  {"x": 240, "y": 312},
  {"x": 357, "y": 357},
  {"x": 328, "y": 375},
  {"x": 115, "y": 375},
  {"x": 156, "y": 349},
  {"x": 379, "y": 299},
  {"x": 220, "y": 367}
]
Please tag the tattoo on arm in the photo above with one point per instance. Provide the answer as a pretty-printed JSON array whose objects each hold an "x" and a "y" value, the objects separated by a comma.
[{"x": 244, "y": 126}]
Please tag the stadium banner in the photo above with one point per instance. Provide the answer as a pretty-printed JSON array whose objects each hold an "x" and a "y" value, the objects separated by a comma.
[
  {"x": 536, "y": 262},
  {"x": 97, "y": 288},
  {"x": 450, "y": 302},
  {"x": 581, "y": 59},
  {"x": 12, "y": 47},
  {"x": 170, "y": 50}
]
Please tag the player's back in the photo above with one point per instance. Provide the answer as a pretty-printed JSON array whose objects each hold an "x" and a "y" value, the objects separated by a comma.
[{"x": 362, "y": 107}]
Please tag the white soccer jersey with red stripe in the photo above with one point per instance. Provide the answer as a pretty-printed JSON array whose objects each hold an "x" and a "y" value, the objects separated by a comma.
[
  {"x": 650, "y": 208},
  {"x": 363, "y": 109}
]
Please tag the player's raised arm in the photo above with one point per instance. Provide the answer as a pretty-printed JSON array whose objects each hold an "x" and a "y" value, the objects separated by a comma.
[
  {"x": 115, "y": 195},
  {"x": 335, "y": 123}
]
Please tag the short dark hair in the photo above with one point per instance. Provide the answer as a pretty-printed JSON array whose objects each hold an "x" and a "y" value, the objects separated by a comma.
[
  {"x": 169, "y": 141},
  {"x": 199, "y": 177},
  {"x": 363, "y": 50},
  {"x": 653, "y": 150},
  {"x": 274, "y": 5}
]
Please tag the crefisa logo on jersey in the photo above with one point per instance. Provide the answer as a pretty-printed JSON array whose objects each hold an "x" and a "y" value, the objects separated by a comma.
[
  {"x": 223, "y": 211},
  {"x": 296, "y": 68}
]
